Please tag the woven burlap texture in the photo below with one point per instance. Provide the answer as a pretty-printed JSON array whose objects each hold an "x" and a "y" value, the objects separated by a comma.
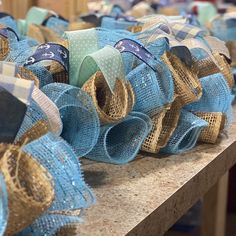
[
  {"x": 187, "y": 85},
  {"x": 5, "y": 47},
  {"x": 231, "y": 45},
  {"x": 216, "y": 123},
  {"x": 29, "y": 185},
  {"x": 164, "y": 124},
  {"x": 24, "y": 73},
  {"x": 36, "y": 131},
  {"x": 111, "y": 107},
  {"x": 206, "y": 67}
]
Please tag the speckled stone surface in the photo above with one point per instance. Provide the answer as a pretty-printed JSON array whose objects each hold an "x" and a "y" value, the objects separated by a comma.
[{"x": 147, "y": 196}]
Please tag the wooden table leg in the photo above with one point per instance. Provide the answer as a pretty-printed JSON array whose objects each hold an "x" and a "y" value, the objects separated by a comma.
[{"x": 214, "y": 209}]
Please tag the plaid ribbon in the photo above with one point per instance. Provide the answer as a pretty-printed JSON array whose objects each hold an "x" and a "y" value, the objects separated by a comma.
[
  {"x": 194, "y": 43},
  {"x": 186, "y": 31},
  {"x": 20, "y": 88},
  {"x": 216, "y": 45},
  {"x": 176, "y": 47},
  {"x": 8, "y": 68}
]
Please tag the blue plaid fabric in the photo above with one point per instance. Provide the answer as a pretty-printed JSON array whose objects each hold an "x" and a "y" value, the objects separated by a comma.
[
  {"x": 8, "y": 68},
  {"x": 185, "y": 31},
  {"x": 20, "y": 88}
]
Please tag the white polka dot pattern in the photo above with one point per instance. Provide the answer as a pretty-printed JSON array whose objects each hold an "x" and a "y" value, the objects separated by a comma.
[
  {"x": 108, "y": 60},
  {"x": 81, "y": 43}
]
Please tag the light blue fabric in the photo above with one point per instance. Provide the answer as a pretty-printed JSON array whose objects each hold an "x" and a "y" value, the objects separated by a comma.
[
  {"x": 3, "y": 205},
  {"x": 20, "y": 51},
  {"x": 216, "y": 97},
  {"x": 158, "y": 47},
  {"x": 58, "y": 25},
  {"x": 8, "y": 21},
  {"x": 114, "y": 24},
  {"x": 199, "y": 54},
  {"x": 71, "y": 192},
  {"x": 111, "y": 37},
  {"x": 153, "y": 90},
  {"x": 33, "y": 114},
  {"x": 119, "y": 143},
  {"x": 43, "y": 75},
  {"x": 80, "y": 120},
  {"x": 49, "y": 224},
  {"x": 224, "y": 29},
  {"x": 186, "y": 134}
]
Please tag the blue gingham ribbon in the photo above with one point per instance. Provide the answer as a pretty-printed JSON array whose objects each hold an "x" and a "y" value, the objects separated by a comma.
[
  {"x": 185, "y": 31},
  {"x": 8, "y": 68},
  {"x": 19, "y": 88}
]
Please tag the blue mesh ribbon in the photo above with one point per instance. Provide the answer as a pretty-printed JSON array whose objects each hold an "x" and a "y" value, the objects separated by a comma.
[
  {"x": 112, "y": 23},
  {"x": 216, "y": 95},
  {"x": 3, "y": 206},
  {"x": 19, "y": 51},
  {"x": 153, "y": 90},
  {"x": 33, "y": 114},
  {"x": 9, "y": 21},
  {"x": 80, "y": 120},
  {"x": 186, "y": 134},
  {"x": 71, "y": 192},
  {"x": 119, "y": 143},
  {"x": 49, "y": 224},
  {"x": 56, "y": 23},
  {"x": 5, "y": 32}
]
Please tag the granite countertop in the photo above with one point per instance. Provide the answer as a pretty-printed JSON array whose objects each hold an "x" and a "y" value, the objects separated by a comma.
[{"x": 147, "y": 196}]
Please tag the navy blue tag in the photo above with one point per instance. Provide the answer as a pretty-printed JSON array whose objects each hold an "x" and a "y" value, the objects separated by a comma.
[
  {"x": 131, "y": 46},
  {"x": 50, "y": 51},
  {"x": 11, "y": 116},
  {"x": 4, "y": 32}
]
